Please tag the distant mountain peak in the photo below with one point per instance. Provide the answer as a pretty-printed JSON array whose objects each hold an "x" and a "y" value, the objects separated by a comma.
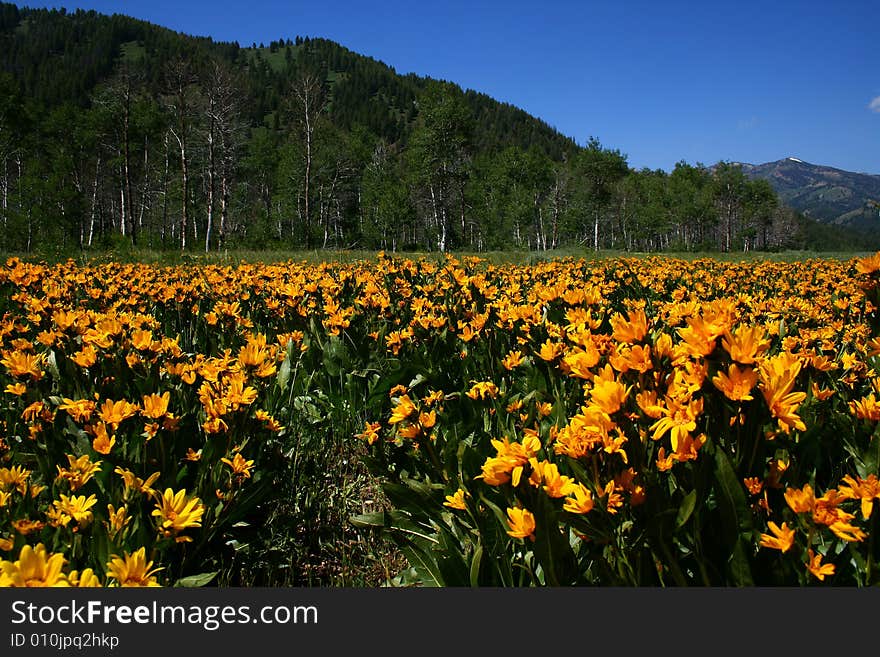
[{"x": 824, "y": 193}]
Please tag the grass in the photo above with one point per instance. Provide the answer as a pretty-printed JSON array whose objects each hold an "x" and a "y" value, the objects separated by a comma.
[{"x": 247, "y": 256}]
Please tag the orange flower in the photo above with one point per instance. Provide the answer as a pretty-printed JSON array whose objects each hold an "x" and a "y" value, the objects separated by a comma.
[
  {"x": 869, "y": 264},
  {"x": 630, "y": 330},
  {"x": 737, "y": 384},
  {"x": 607, "y": 393},
  {"x": 113, "y": 413},
  {"x": 521, "y": 523},
  {"x": 20, "y": 364},
  {"x": 402, "y": 410},
  {"x": 240, "y": 467},
  {"x": 156, "y": 406},
  {"x": 512, "y": 360},
  {"x": 103, "y": 442},
  {"x": 457, "y": 500},
  {"x": 816, "y": 567},
  {"x": 745, "y": 345},
  {"x": 782, "y": 538},
  {"x": 866, "y": 490},
  {"x": 370, "y": 432},
  {"x": 580, "y": 500}
]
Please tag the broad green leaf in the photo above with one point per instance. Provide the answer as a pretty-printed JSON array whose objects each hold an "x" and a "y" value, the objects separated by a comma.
[
  {"x": 686, "y": 509},
  {"x": 475, "y": 566},
  {"x": 202, "y": 579},
  {"x": 552, "y": 548}
]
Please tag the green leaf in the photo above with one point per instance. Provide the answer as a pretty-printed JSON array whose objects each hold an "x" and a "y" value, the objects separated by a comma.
[
  {"x": 740, "y": 568},
  {"x": 552, "y": 548},
  {"x": 736, "y": 521},
  {"x": 475, "y": 566},
  {"x": 284, "y": 372},
  {"x": 686, "y": 509},
  {"x": 370, "y": 520},
  {"x": 336, "y": 357},
  {"x": 731, "y": 499},
  {"x": 422, "y": 562},
  {"x": 196, "y": 580}
]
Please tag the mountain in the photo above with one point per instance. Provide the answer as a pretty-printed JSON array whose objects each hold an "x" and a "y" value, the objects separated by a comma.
[
  {"x": 60, "y": 56},
  {"x": 117, "y": 133},
  {"x": 826, "y": 194}
]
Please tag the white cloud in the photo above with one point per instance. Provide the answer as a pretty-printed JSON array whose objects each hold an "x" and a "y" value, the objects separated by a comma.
[{"x": 874, "y": 105}]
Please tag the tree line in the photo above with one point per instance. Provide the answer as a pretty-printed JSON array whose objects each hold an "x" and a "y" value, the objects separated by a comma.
[{"x": 158, "y": 140}]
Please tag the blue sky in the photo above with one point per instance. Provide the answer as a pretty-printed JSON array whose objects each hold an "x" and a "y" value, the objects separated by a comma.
[{"x": 660, "y": 81}]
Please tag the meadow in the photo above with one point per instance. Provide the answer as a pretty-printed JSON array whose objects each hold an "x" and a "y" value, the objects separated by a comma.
[{"x": 440, "y": 420}]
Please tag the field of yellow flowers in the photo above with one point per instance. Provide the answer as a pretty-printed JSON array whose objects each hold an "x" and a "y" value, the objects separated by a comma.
[{"x": 624, "y": 422}]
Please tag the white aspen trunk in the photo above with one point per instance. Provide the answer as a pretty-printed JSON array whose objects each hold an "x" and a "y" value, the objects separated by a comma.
[
  {"x": 122, "y": 210},
  {"x": 224, "y": 200},
  {"x": 209, "y": 221},
  {"x": 145, "y": 186},
  {"x": 434, "y": 208},
  {"x": 184, "y": 218},
  {"x": 94, "y": 203},
  {"x": 4, "y": 190},
  {"x": 596, "y": 232},
  {"x": 554, "y": 240},
  {"x": 165, "y": 190}
]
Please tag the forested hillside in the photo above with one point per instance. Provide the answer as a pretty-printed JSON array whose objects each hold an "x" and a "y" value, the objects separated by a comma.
[{"x": 117, "y": 132}]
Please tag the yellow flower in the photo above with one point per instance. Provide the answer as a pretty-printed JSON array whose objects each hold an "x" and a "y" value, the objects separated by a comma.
[
  {"x": 77, "y": 507},
  {"x": 817, "y": 568},
  {"x": 580, "y": 361},
  {"x": 240, "y": 467},
  {"x": 753, "y": 485},
  {"x": 679, "y": 419},
  {"x": 35, "y": 568},
  {"x": 113, "y": 413},
  {"x": 631, "y": 329},
  {"x": 403, "y": 410},
  {"x": 777, "y": 381},
  {"x": 737, "y": 384},
  {"x": 86, "y": 357},
  {"x": 512, "y": 360},
  {"x": 103, "y": 442},
  {"x": 370, "y": 432},
  {"x": 745, "y": 345},
  {"x": 117, "y": 519},
  {"x": 482, "y": 390},
  {"x": 521, "y": 523},
  {"x": 84, "y": 579},
  {"x": 15, "y": 477},
  {"x": 550, "y": 350},
  {"x": 135, "y": 483},
  {"x": 607, "y": 393},
  {"x": 155, "y": 406},
  {"x": 133, "y": 570},
  {"x": 869, "y": 264},
  {"x": 866, "y": 490},
  {"x": 80, "y": 410},
  {"x": 23, "y": 364},
  {"x": 580, "y": 500},
  {"x": 177, "y": 512},
  {"x": 782, "y": 538},
  {"x": 865, "y": 408},
  {"x": 456, "y": 500},
  {"x": 547, "y": 474},
  {"x": 17, "y": 389}
]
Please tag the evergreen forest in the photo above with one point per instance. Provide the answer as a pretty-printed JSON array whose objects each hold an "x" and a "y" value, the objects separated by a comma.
[{"x": 117, "y": 133}]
